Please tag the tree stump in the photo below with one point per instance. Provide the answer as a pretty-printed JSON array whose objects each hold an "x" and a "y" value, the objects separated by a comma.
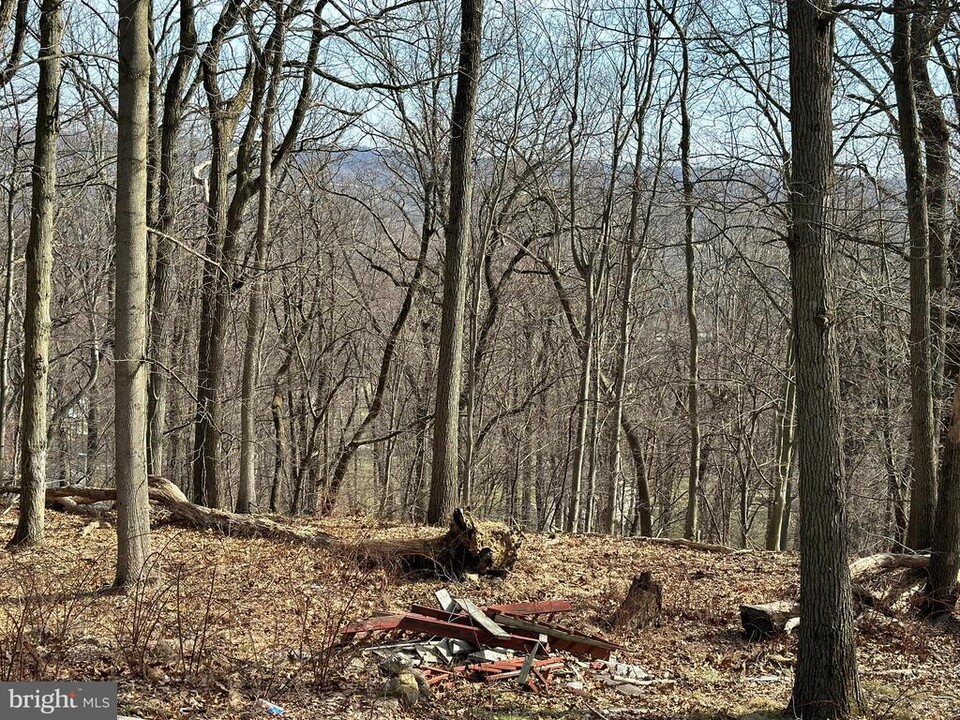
[
  {"x": 641, "y": 606},
  {"x": 766, "y": 621}
]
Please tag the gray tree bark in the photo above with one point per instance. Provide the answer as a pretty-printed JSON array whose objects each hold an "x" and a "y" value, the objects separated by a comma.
[
  {"x": 443, "y": 480},
  {"x": 825, "y": 682},
  {"x": 158, "y": 343},
  {"x": 942, "y": 588},
  {"x": 936, "y": 145},
  {"x": 10, "y": 255},
  {"x": 39, "y": 272},
  {"x": 785, "y": 427},
  {"x": 923, "y": 487},
  {"x": 270, "y": 61},
  {"x": 130, "y": 324},
  {"x": 691, "y": 527},
  {"x": 16, "y": 10}
]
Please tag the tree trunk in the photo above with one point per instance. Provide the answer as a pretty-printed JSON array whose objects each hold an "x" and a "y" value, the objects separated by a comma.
[
  {"x": 158, "y": 349},
  {"x": 92, "y": 438},
  {"x": 443, "y": 481},
  {"x": 923, "y": 487},
  {"x": 784, "y": 442},
  {"x": 7, "y": 312},
  {"x": 691, "y": 527},
  {"x": 826, "y": 683},
  {"x": 247, "y": 490},
  {"x": 206, "y": 452},
  {"x": 583, "y": 406},
  {"x": 643, "y": 507},
  {"x": 619, "y": 386},
  {"x": 39, "y": 271},
  {"x": 130, "y": 379},
  {"x": 279, "y": 451},
  {"x": 217, "y": 281},
  {"x": 936, "y": 137},
  {"x": 590, "y": 514},
  {"x": 787, "y": 514},
  {"x": 942, "y": 588},
  {"x": 472, "y": 380},
  {"x": 642, "y": 605},
  {"x": 896, "y": 480}
]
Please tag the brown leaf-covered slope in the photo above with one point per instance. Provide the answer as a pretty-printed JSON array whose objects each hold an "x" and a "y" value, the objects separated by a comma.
[{"x": 228, "y": 620}]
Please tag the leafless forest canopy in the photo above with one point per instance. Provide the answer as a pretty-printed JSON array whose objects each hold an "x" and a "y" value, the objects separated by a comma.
[{"x": 300, "y": 349}]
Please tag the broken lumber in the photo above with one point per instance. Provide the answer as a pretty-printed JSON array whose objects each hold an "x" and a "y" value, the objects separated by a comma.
[
  {"x": 490, "y": 672},
  {"x": 538, "y": 607},
  {"x": 478, "y": 617},
  {"x": 376, "y": 624},
  {"x": 412, "y": 622},
  {"x": 445, "y": 599},
  {"x": 561, "y": 638}
]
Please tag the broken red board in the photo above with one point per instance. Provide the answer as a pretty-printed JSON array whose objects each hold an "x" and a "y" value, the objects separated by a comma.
[
  {"x": 523, "y": 609},
  {"x": 378, "y": 623},
  {"x": 550, "y": 663},
  {"x": 470, "y": 627},
  {"x": 462, "y": 618},
  {"x": 478, "y": 636},
  {"x": 491, "y": 672},
  {"x": 562, "y": 638}
]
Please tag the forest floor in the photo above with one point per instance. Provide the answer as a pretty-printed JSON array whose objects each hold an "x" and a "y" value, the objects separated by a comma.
[{"x": 226, "y": 620}]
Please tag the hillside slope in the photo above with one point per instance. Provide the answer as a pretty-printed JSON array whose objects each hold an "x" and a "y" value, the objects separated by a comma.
[{"x": 226, "y": 620}]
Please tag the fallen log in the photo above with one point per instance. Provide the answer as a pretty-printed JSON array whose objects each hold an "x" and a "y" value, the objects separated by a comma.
[
  {"x": 167, "y": 495},
  {"x": 887, "y": 561},
  {"x": 170, "y": 497},
  {"x": 88, "y": 508},
  {"x": 770, "y": 619},
  {"x": 691, "y": 545},
  {"x": 468, "y": 546}
]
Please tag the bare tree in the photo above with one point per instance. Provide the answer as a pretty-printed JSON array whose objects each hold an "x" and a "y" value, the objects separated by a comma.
[
  {"x": 691, "y": 527},
  {"x": 17, "y": 11},
  {"x": 923, "y": 488},
  {"x": 446, "y": 455},
  {"x": 269, "y": 60},
  {"x": 162, "y": 265},
  {"x": 826, "y": 683},
  {"x": 130, "y": 366},
  {"x": 39, "y": 274}
]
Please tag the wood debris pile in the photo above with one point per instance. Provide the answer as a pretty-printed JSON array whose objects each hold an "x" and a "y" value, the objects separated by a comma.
[{"x": 460, "y": 640}]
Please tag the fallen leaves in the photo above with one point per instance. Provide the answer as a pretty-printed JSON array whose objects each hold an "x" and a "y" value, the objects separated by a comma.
[{"x": 252, "y": 618}]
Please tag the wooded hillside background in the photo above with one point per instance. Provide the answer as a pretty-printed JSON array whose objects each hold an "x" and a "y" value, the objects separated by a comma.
[{"x": 618, "y": 360}]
